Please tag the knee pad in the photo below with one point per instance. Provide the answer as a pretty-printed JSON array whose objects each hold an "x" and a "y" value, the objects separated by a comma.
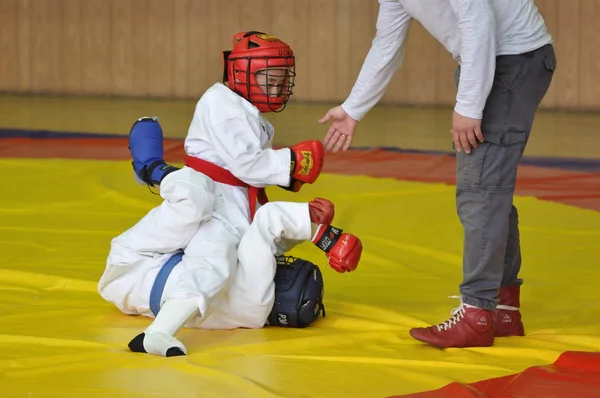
[{"x": 298, "y": 293}]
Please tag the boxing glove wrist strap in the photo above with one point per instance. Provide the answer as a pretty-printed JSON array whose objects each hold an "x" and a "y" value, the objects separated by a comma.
[
  {"x": 327, "y": 237},
  {"x": 292, "y": 162}
]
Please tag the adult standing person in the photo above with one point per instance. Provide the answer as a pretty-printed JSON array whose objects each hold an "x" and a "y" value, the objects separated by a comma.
[{"x": 506, "y": 63}]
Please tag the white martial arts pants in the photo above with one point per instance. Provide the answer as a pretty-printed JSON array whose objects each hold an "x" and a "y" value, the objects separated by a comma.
[
  {"x": 233, "y": 285},
  {"x": 251, "y": 295}
]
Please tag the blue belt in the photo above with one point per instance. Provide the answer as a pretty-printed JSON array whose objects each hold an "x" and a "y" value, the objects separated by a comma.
[{"x": 161, "y": 280}]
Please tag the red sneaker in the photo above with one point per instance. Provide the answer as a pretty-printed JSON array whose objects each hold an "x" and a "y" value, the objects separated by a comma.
[
  {"x": 507, "y": 317},
  {"x": 469, "y": 327}
]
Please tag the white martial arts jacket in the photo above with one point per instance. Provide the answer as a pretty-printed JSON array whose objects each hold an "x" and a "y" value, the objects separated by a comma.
[
  {"x": 473, "y": 31},
  {"x": 230, "y": 132}
]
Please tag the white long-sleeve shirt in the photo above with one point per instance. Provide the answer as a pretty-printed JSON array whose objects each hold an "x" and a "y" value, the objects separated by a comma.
[
  {"x": 230, "y": 132},
  {"x": 473, "y": 31}
]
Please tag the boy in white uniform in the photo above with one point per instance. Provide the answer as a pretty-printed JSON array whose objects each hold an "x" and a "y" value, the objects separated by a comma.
[
  {"x": 263, "y": 290},
  {"x": 209, "y": 204}
]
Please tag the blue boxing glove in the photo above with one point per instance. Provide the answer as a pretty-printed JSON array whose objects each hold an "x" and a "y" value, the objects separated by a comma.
[{"x": 146, "y": 148}]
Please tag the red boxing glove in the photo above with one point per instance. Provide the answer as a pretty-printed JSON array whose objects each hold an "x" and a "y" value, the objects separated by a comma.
[
  {"x": 307, "y": 160},
  {"x": 342, "y": 249},
  {"x": 321, "y": 211},
  {"x": 345, "y": 254}
]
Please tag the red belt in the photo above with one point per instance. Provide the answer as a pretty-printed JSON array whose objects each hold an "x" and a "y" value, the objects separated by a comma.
[{"x": 219, "y": 174}]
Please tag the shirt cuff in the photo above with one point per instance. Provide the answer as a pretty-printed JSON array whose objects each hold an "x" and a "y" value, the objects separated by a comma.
[
  {"x": 468, "y": 111},
  {"x": 353, "y": 113}
]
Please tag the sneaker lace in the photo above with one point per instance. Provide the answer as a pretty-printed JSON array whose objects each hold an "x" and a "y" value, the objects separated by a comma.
[
  {"x": 507, "y": 307},
  {"x": 457, "y": 314}
]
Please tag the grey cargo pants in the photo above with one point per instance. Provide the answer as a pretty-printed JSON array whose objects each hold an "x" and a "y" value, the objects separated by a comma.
[{"x": 485, "y": 178}]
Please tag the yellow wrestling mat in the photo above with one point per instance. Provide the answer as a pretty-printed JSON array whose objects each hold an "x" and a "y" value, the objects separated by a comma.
[{"x": 58, "y": 338}]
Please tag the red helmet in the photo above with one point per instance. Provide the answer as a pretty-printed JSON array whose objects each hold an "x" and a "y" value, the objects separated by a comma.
[{"x": 273, "y": 60}]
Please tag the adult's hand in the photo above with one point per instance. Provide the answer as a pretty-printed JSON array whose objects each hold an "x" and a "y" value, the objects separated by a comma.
[
  {"x": 341, "y": 131},
  {"x": 465, "y": 132}
]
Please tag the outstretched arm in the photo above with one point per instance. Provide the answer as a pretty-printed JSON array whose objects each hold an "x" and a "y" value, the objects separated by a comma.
[{"x": 382, "y": 61}]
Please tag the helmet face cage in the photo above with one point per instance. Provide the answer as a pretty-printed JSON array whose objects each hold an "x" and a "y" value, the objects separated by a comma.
[
  {"x": 274, "y": 68},
  {"x": 259, "y": 57}
]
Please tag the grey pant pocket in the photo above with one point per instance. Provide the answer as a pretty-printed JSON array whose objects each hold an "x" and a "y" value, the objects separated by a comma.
[{"x": 493, "y": 164}]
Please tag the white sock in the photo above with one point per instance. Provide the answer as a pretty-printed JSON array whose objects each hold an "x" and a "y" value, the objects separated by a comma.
[
  {"x": 173, "y": 315},
  {"x": 159, "y": 337}
]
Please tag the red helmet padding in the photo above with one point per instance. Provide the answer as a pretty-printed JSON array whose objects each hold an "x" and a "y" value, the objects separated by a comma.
[{"x": 254, "y": 51}]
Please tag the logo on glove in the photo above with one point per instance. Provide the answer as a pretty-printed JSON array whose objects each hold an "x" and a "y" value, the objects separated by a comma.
[
  {"x": 329, "y": 238},
  {"x": 306, "y": 164}
]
